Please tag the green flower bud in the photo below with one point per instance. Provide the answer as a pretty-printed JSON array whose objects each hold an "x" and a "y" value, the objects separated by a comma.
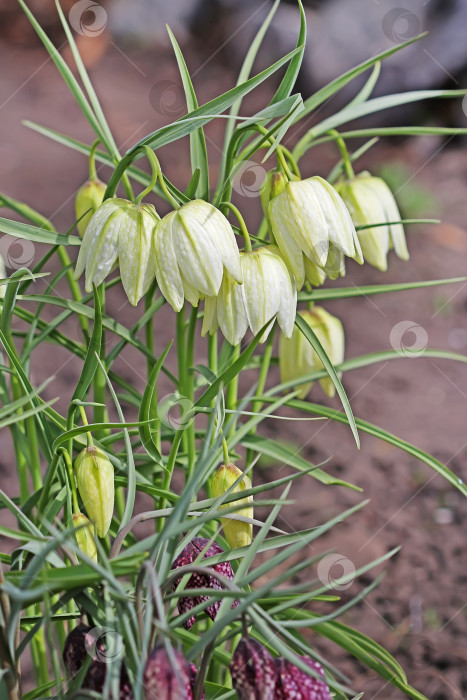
[
  {"x": 307, "y": 218},
  {"x": 296, "y": 356},
  {"x": 88, "y": 198},
  {"x": 237, "y": 532},
  {"x": 268, "y": 291},
  {"x": 194, "y": 247},
  {"x": 84, "y": 531},
  {"x": 95, "y": 480},
  {"x": 370, "y": 201},
  {"x": 123, "y": 230}
]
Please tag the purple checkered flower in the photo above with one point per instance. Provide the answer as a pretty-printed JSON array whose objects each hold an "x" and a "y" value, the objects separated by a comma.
[
  {"x": 253, "y": 671},
  {"x": 294, "y": 683},
  {"x": 164, "y": 680},
  {"x": 198, "y": 580},
  {"x": 75, "y": 653}
]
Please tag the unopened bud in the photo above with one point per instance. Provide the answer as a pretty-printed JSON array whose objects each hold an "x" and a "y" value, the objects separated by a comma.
[
  {"x": 88, "y": 198},
  {"x": 95, "y": 479},
  {"x": 84, "y": 532},
  {"x": 190, "y": 555},
  {"x": 237, "y": 532},
  {"x": 167, "y": 678},
  {"x": 253, "y": 671},
  {"x": 292, "y": 682},
  {"x": 297, "y": 357}
]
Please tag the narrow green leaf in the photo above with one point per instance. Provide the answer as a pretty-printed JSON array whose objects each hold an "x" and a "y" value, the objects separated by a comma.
[
  {"x": 312, "y": 338},
  {"x": 382, "y": 434},
  {"x": 146, "y": 412},
  {"x": 283, "y": 455},
  {"x": 90, "y": 362},
  {"x": 290, "y": 77},
  {"x": 367, "y": 290},
  {"x": 198, "y": 151},
  {"x": 35, "y": 233}
]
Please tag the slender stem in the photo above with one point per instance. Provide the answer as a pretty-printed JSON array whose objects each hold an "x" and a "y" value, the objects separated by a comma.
[
  {"x": 167, "y": 478},
  {"x": 232, "y": 390},
  {"x": 99, "y": 381},
  {"x": 189, "y": 388},
  {"x": 92, "y": 160},
  {"x": 263, "y": 375},
  {"x": 156, "y": 170},
  {"x": 85, "y": 422},
  {"x": 349, "y": 171},
  {"x": 241, "y": 221},
  {"x": 71, "y": 478},
  {"x": 212, "y": 352},
  {"x": 225, "y": 450},
  {"x": 149, "y": 337}
]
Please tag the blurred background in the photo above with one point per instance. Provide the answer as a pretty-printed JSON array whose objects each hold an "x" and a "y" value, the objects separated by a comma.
[{"x": 419, "y": 611}]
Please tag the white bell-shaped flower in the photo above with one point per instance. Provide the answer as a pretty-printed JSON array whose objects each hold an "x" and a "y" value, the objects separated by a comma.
[
  {"x": 123, "y": 230},
  {"x": 194, "y": 247}
]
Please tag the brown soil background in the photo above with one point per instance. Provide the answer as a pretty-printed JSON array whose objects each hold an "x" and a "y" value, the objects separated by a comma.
[{"x": 419, "y": 610}]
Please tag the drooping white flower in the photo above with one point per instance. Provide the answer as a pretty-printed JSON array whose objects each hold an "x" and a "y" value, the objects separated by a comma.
[
  {"x": 268, "y": 291},
  {"x": 297, "y": 357},
  {"x": 123, "y": 230},
  {"x": 194, "y": 247},
  {"x": 308, "y": 217},
  {"x": 370, "y": 201}
]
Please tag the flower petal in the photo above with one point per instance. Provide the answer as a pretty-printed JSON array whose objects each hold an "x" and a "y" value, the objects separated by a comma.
[
  {"x": 280, "y": 216},
  {"x": 137, "y": 265},
  {"x": 312, "y": 227},
  {"x": 166, "y": 266},
  {"x": 231, "y": 313},
  {"x": 197, "y": 257},
  {"x": 221, "y": 234}
]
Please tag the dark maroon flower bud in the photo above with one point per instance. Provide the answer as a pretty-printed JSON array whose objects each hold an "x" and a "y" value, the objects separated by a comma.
[
  {"x": 79, "y": 645},
  {"x": 193, "y": 677},
  {"x": 253, "y": 671},
  {"x": 292, "y": 682},
  {"x": 164, "y": 680},
  {"x": 189, "y": 556}
]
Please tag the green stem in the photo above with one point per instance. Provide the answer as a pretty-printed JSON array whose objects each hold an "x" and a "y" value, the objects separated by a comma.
[
  {"x": 212, "y": 352},
  {"x": 225, "y": 450},
  {"x": 71, "y": 478},
  {"x": 85, "y": 422},
  {"x": 99, "y": 381},
  {"x": 262, "y": 379},
  {"x": 149, "y": 337},
  {"x": 156, "y": 172},
  {"x": 167, "y": 477},
  {"x": 348, "y": 169},
  {"x": 92, "y": 160},
  {"x": 189, "y": 388},
  {"x": 232, "y": 390},
  {"x": 241, "y": 221}
]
